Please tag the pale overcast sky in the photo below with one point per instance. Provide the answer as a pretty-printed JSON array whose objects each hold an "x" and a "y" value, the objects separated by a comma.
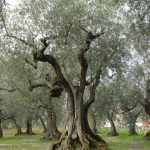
[{"x": 12, "y": 2}]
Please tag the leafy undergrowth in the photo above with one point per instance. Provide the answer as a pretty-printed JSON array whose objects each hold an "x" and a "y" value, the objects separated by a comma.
[{"x": 35, "y": 142}]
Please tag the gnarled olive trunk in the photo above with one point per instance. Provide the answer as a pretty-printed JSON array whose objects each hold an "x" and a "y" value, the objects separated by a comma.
[
  {"x": 52, "y": 131},
  {"x": 17, "y": 126},
  {"x": 1, "y": 130},
  {"x": 29, "y": 127},
  {"x": 86, "y": 136},
  {"x": 77, "y": 109}
]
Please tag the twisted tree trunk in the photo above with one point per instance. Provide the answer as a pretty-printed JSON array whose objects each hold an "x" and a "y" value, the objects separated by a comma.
[
  {"x": 52, "y": 131},
  {"x": 19, "y": 131},
  {"x": 77, "y": 119},
  {"x": 77, "y": 116},
  {"x": 113, "y": 128},
  {"x": 29, "y": 127},
  {"x": 113, "y": 131}
]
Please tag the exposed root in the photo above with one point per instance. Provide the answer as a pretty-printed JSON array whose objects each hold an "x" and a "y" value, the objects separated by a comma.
[
  {"x": 57, "y": 145},
  {"x": 55, "y": 136},
  {"x": 51, "y": 137},
  {"x": 82, "y": 142},
  {"x": 95, "y": 144}
]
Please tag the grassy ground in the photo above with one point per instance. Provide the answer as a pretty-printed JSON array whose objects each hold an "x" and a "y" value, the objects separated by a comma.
[
  {"x": 125, "y": 142},
  {"x": 23, "y": 142},
  {"x": 34, "y": 142}
]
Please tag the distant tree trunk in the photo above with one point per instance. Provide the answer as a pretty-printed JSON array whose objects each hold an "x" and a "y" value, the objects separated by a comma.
[
  {"x": 43, "y": 123},
  {"x": 132, "y": 129},
  {"x": 1, "y": 130},
  {"x": 147, "y": 103},
  {"x": 19, "y": 131},
  {"x": 52, "y": 131},
  {"x": 29, "y": 127},
  {"x": 132, "y": 117},
  {"x": 113, "y": 128},
  {"x": 113, "y": 131}
]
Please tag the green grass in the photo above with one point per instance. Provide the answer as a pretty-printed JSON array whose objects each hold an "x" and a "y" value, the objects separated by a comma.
[
  {"x": 35, "y": 142},
  {"x": 23, "y": 142},
  {"x": 126, "y": 142}
]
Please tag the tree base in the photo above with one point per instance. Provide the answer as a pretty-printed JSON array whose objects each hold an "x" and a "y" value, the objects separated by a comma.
[
  {"x": 112, "y": 134},
  {"x": 18, "y": 134},
  {"x": 53, "y": 137},
  {"x": 85, "y": 142}
]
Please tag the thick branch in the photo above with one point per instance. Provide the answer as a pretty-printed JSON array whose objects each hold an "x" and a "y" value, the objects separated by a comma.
[
  {"x": 33, "y": 86},
  {"x": 60, "y": 77},
  {"x": 93, "y": 89},
  {"x": 81, "y": 56},
  {"x": 33, "y": 64},
  {"x": 67, "y": 34},
  {"x": 126, "y": 109},
  {"x": 21, "y": 40}
]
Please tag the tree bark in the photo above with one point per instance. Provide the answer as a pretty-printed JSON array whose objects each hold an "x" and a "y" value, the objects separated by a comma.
[
  {"x": 92, "y": 121},
  {"x": 29, "y": 127},
  {"x": 113, "y": 128},
  {"x": 113, "y": 131},
  {"x": 52, "y": 131},
  {"x": 1, "y": 130},
  {"x": 19, "y": 131}
]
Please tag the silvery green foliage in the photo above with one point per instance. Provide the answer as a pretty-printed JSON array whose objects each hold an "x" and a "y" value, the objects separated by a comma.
[{"x": 64, "y": 22}]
